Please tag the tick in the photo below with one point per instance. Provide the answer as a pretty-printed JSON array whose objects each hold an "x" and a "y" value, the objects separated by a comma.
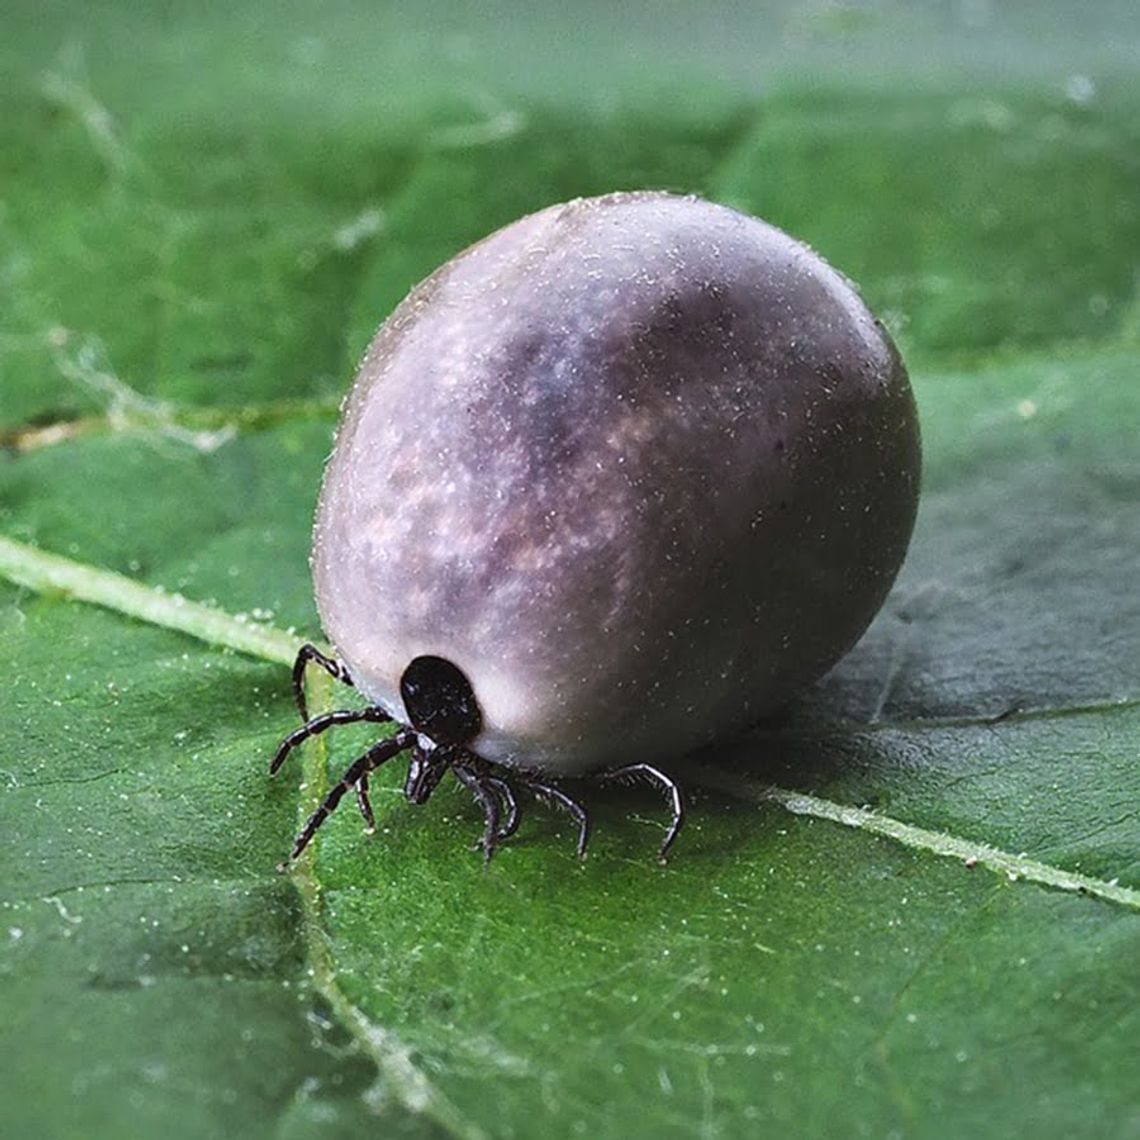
[{"x": 610, "y": 485}]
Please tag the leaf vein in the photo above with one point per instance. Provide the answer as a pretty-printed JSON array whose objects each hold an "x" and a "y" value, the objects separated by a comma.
[{"x": 970, "y": 852}]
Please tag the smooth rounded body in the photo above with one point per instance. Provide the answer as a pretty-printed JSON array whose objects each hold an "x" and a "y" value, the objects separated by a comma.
[{"x": 641, "y": 466}]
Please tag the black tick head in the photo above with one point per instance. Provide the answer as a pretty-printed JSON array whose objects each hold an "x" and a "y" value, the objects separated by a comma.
[{"x": 440, "y": 701}]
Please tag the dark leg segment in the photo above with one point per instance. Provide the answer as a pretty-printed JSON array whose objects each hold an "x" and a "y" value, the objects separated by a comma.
[
  {"x": 506, "y": 795},
  {"x": 425, "y": 770},
  {"x": 647, "y": 772},
  {"x": 364, "y": 803},
  {"x": 321, "y": 724},
  {"x": 373, "y": 758},
  {"x": 331, "y": 666},
  {"x": 487, "y": 798}
]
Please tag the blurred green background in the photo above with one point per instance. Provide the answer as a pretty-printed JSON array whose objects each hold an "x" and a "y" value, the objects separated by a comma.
[{"x": 205, "y": 211}]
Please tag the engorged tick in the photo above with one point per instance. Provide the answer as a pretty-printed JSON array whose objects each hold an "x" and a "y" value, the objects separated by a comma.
[{"x": 611, "y": 484}]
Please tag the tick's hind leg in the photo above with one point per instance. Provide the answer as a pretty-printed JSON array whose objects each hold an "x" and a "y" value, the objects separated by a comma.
[
  {"x": 632, "y": 772},
  {"x": 330, "y": 665}
]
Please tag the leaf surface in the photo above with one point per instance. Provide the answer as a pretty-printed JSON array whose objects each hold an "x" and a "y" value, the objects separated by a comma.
[{"x": 201, "y": 224}]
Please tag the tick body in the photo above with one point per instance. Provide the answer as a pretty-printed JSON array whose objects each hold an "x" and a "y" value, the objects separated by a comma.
[{"x": 636, "y": 468}]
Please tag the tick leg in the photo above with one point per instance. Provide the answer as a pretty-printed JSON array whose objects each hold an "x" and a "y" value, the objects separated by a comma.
[
  {"x": 373, "y": 758},
  {"x": 577, "y": 812},
  {"x": 331, "y": 666},
  {"x": 507, "y": 795},
  {"x": 321, "y": 724},
  {"x": 487, "y": 798},
  {"x": 666, "y": 784},
  {"x": 365, "y": 804}
]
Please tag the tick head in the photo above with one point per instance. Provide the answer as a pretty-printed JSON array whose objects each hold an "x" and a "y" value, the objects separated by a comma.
[{"x": 440, "y": 701}]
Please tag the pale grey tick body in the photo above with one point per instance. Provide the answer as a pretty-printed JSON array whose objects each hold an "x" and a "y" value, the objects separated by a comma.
[{"x": 638, "y": 466}]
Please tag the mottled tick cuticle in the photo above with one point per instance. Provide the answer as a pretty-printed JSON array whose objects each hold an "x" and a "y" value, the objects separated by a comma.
[{"x": 610, "y": 485}]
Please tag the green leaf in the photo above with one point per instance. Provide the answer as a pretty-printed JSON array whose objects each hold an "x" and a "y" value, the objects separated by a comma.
[{"x": 909, "y": 906}]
